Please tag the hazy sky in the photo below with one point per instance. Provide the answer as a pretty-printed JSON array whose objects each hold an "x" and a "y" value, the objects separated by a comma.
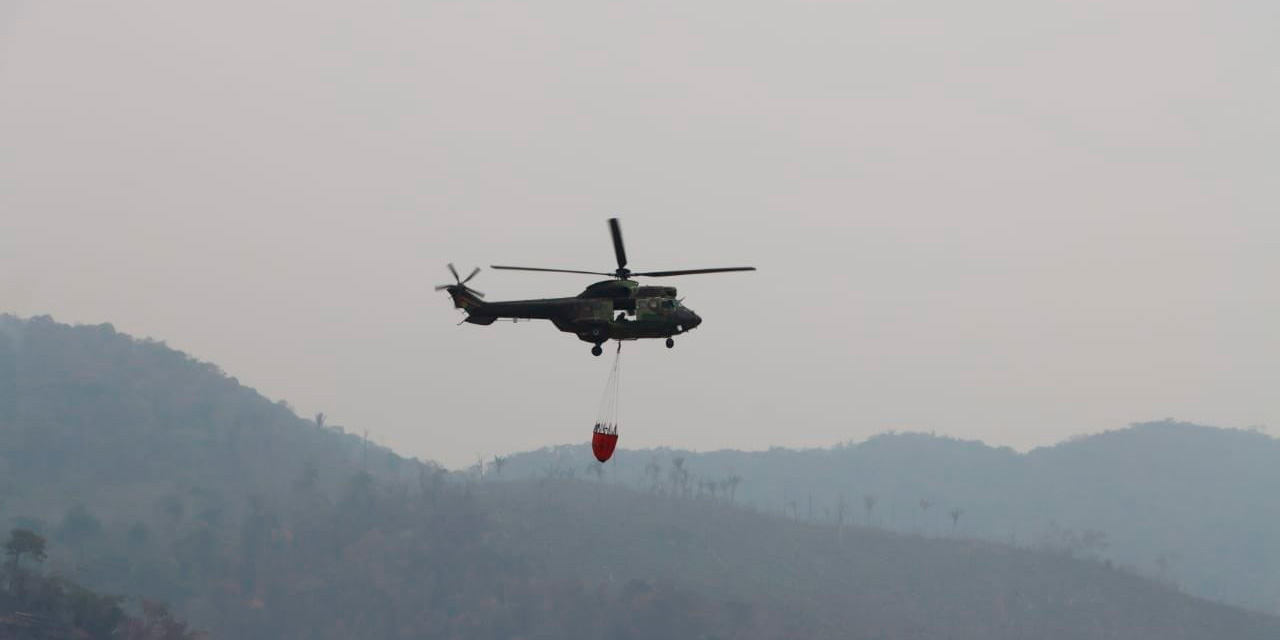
[{"x": 1012, "y": 221}]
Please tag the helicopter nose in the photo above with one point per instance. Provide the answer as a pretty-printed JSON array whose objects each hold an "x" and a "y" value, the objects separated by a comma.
[{"x": 694, "y": 320}]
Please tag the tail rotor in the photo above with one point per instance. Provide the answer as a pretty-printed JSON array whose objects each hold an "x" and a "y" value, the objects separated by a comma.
[{"x": 460, "y": 283}]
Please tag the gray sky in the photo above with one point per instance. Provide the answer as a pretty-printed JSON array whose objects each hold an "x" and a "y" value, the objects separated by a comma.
[{"x": 1012, "y": 221}]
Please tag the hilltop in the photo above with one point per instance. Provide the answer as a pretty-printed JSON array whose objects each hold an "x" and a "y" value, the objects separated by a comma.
[{"x": 161, "y": 476}]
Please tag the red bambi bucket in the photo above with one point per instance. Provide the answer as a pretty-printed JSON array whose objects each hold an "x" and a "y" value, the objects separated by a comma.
[{"x": 603, "y": 440}]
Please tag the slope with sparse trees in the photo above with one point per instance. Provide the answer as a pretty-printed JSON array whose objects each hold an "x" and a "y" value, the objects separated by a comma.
[
  {"x": 159, "y": 476},
  {"x": 1189, "y": 505}
]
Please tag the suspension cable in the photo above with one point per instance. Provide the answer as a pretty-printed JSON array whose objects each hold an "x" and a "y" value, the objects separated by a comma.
[{"x": 607, "y": 417}]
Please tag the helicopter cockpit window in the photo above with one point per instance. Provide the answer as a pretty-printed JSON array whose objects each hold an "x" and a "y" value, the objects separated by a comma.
[{"x": 669, "y": 304}]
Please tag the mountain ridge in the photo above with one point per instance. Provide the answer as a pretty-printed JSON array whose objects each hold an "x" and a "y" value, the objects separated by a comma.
[{"x": 162, "y": 477}]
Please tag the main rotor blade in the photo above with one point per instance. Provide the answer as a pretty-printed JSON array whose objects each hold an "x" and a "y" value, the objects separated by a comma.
[
  {"x": 454, "y": 272},
  {"x": 444, "y": 286},
  {"x": 478, "y": 294},
  {"x": 688, "y": 272},
  {"x": 594, "y": 273},
  {"x": 473, "y": 274},
  {"x": 620, "y": 251}
]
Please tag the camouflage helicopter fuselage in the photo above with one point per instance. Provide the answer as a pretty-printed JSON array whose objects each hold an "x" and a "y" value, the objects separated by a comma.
[
  {"x": 608, "y": 310},
  {"x": 618, "y": 309}
]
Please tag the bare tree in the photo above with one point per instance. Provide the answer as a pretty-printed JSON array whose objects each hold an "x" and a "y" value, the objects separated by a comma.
[
  {"x": 1093, "y": 542},
  {"x": 498, "y": 463},
  {"x": 679, "y": 476},
  {"x": 1089, "y": 542},
  {"x": 842, "y": 507},
  {"x": 868, "y": 504},
  {"x": 733, "y": 481},
  {"x": 320, "y": 420},
  {"x": 925, "y": 503},
  {"x": 653, "y": 474},
  {"x": 955, "y": 517},
  {"x": 1164, "y": 561},
  {"x": 364, "y": 454}
]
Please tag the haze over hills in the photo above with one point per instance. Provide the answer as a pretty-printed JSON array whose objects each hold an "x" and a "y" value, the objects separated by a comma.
[
  {"x": 162, "y": 477},
  {"x": 1193, "y": 505}
]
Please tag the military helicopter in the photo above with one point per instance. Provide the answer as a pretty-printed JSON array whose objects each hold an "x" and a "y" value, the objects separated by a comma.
[{"x": 617, "y": 309}]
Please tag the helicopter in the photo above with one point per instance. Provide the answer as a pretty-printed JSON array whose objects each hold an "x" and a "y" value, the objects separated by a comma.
[{"x": 617, "y": 309}]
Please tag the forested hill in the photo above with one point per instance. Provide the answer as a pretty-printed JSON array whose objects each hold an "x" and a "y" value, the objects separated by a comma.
[
  {"x": 1192, "y": 505},
  {"x": 94, "y": 410},
  {"x": 157, "y": 476}
]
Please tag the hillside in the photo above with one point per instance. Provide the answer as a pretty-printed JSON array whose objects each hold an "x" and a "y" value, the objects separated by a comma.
[
  {"x": 855, "y": 581},
  {"x": 39, "y": 606},
  {"x": 1191, "y": 505},
  {"x": 160, "y": 476},
  {"x": 96, "y": 410}
]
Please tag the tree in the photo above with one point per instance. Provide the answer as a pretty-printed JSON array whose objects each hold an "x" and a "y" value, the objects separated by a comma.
[
  {"x": 23, "y": 542},
  {"x": 498, "y": 463},
  {"x": 393, "y": 464},
  {"x": 925, "y": 503},
  {"x": 868, "y": 503},
  {"x": 842, "y": 507},
  {"x": 734, "y": 481},
  {"x": 78, "y": 526},
  {"x": 653, "y": 473},
  {"x": 1164, "y": 561},
  {"x": 196, "y": 552},
  {"x": 359, "y": 493},
  {"x": 364, "y": 454},
  {"x": 679, "y": 476},
  {"x": 173, "y": 507},
  {"x": 308, "y": 478},
  {"x": 1068, "y": 542},
  {"x": 91, "y": 614},
  {"x": 955, "y": 517}
]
